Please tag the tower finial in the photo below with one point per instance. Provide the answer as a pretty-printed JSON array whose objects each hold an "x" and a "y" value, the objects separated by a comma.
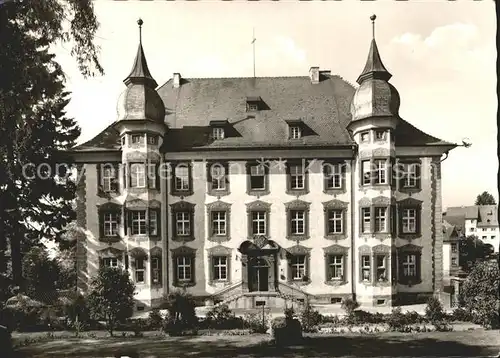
[
  {"x": 373, "y": 17},
  {"x": 140, "y": 22}
]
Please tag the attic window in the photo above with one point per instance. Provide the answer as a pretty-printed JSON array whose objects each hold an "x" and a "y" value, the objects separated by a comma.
[
  {"x": 295, "y": 132},
  {"x": 253, "y": 104},
  {"x": 217, "y": 133}
]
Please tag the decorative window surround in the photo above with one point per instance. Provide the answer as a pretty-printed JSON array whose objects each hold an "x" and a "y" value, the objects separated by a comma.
[
  {"x": 182, "y": 207},
  {"x": 364, "y": 137},
  {"x": 290, "y": 207},
  {"x": 219, "y": 251},
  {"x": 181, "y": 185},
  {"x": 366, "y": 204},
  {"x": 369, "y": 177},
  {"x": 405, "y": 170},
  {"x": 110, "y": 253},
  {"x": 108, "y": 179},
  {"x": 370, "y": 258},
  {"x": 334, "y": 184},
  {"x": 183, "y": 258},
  {"x": 256, "y": 207},
  {"x": 213, "y": 173},
  {"x": 214, "y": 207},
  {"x": 156, "y": 267},
  {"x": 257, "y": 179},
  {"x": 294, "y": 252},
  {"x": 342, "y": 207},
  {"x": 414, "y": 206},
  {"x": 334, "y": 251},
  {"x": 297, "y": 178},
  {"x": 409, "y": 256},
  {"x": 381, "y": 135},
  {"x": 103, "y": 211},
  {"x": 151, "y": 227}
]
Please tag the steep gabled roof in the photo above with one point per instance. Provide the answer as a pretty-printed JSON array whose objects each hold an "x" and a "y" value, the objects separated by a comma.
[{"x": 107, "y": 140}]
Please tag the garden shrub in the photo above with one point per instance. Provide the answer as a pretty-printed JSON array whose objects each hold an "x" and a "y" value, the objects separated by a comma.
[
  {"x": 286, "y": 330},
  {"x": 310, "y": 318},
  {"x": 414, "y": 317},
  {"x": 349, "y": 306},
  {"x": 397, "y": 321},
  {"x": 181, "y": 319},
  {"x": 221, "y": 317},
  {"x": 155, "y": 319},
  {"x": 256, "y": 322},
  {"x": 434, "y": 312},
  {"x": 461, "y": 315}
]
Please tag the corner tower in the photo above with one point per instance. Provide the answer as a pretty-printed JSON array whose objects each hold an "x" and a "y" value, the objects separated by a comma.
[
  {"x": 141, "y": 124},
  {"x": 374, "y": 111}
]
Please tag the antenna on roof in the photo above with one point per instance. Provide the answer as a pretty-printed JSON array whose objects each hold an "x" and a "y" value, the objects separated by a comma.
[{"x": 253, "y": 44}]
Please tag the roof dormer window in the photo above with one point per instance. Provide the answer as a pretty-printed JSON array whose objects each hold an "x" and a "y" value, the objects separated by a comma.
[
  {"x": 295, "y": 132},
  {"x": 253, "y": 104},
  {"x": 217, "y": 133}
]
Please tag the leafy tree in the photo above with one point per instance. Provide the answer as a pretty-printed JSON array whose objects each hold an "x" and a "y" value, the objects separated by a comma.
[
  {"x": 479, "y": 294},
  {"x": 471, "y": 251},
  {"x": 111, "y": 298},
  {"x": 485, "y": 198},
  {"x": 35, "y": 195},
  {"x": 41, "y": 274}
]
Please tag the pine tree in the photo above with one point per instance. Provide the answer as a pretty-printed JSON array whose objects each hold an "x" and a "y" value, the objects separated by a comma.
[{"x": 36, "y": 195}]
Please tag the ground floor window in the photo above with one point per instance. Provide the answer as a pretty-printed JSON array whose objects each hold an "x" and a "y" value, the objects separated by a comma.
[
  {"x": 219, "y": 267},
  {"x": 298, "y": 267},
  {"x": 139, "y": 270},
  {"x": 335, "y": 267},
  {"x": 110, "y": 262},
  {"x": 184, "y": 268}
]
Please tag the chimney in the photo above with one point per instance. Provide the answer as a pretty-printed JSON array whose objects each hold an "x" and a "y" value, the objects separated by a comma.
[
  {"x": 177, "y": 80},
  {"x": 314, "y": 75}
]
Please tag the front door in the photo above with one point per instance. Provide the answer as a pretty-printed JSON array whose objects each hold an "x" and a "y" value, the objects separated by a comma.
[{"x": 258, "y": 275}]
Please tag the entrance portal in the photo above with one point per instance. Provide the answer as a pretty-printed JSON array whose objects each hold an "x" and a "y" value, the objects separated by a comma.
[{"x": 259, "y": 265}]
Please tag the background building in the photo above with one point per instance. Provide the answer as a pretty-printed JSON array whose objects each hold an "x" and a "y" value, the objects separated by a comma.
[
  {"x": 258, "y": 191},
  {"x": 479, "y": 220}
]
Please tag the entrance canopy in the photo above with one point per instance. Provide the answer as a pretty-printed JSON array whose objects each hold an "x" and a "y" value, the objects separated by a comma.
[{"x": 260, "y": 245}]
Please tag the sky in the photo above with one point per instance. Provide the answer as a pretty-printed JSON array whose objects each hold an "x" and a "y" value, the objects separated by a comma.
[{"x": 441, "y": 54}]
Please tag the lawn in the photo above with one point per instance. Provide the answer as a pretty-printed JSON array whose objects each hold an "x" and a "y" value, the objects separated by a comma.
[{"x": 477, "y": 343}]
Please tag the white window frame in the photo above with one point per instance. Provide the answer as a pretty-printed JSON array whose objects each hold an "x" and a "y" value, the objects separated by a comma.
[
  {"x": 153, "y": 222},
  {"x": 298, "y": 267},
  {"x": 337, "y": 219},
  {"x": 218, "y": 133},
  {"x": 380, "y": 219},
  {"x": 295, "y": 132},
  {"x": 219, "y": 223},
  {"x": 364, "y": 137},
  {"x": 108, "y": 176},
  {"x": 253, "y": 107},
  {"x": 184, "y": 268},
  {"x": 140, "y": 268},
  {"x": 152, "y": 175},
  {"x": 333, "y": 174},
  {"x": 155, "y": 270},
  {"x": 410, "y": 180},
  {"x": 218, "y": 174},
  {"x": 454, "y": 247},
  {"x": 381, "y": 267},
  {"x": 258, "y": 171},
  {"x": 259, "y": 219},
  {"x": 410, "y": 265},
  {"x": 381, "y": 165},
  {"x": 454, "y": 261},
  {"x": 152, "y": 139},
  {"x": 181, "y": 177},
  {"x": 110, "y": 224},
  {"x": 365, "y": 267},
  {"x": 297, "y": 217},
  {"x": 220, "y": 268},
  {"x": 383, "y": 134},
  {"x": 336, "y": 267},
  {"x": 366, "y": 170},
  {"x": 134, "y": 137},
  {"x": 138, "y": 218},
  {"x": 183, "y": 223},
  {"x": 110, "y": 262},
  {"x": 409, "y": 220},
  {"x": 297, "y": 177},
  {"x": 137, "y": 175},
  {"x": 366, "y": 220}
]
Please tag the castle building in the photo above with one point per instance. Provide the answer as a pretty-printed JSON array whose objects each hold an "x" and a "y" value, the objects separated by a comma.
[{"x": 260, "y": 191}]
